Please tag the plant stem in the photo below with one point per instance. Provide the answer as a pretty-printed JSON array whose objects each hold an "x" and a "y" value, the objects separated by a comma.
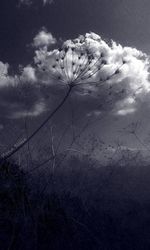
[{"x": 5, "y": 157}]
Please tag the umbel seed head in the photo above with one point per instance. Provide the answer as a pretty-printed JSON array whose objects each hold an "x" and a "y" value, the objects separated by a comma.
[{"x": 80, "y": 65}]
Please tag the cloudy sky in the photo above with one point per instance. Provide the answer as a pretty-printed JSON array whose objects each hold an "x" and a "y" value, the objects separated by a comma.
[{"x": 30, "y": 86}]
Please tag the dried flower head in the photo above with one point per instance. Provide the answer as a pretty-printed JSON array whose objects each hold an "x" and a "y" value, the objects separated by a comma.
[{"x": 78, "y": 62}]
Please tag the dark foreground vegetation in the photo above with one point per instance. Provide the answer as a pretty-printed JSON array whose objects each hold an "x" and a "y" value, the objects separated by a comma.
[{"x": 79, "y": 206}]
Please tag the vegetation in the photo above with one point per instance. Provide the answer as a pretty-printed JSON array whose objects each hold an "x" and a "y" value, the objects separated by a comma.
[{"x": 81, "y": 207}]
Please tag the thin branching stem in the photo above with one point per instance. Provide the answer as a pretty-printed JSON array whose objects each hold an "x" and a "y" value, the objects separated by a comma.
[{"x": 26, "y": 141}]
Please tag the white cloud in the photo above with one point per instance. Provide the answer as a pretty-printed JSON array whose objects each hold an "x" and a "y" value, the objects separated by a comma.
[
  {"x": 43, "y": 39},
  {"x": 126, "y": 106},
  {"x": 5, "y": 79},
  {"x": 126, "y": 111},
  {"x": 28, "y": 74}
]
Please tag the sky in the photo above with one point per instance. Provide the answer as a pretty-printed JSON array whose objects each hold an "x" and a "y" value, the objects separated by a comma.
[
  {"x": 27, "y": 26},
  {"x": 124, "y": 21}
]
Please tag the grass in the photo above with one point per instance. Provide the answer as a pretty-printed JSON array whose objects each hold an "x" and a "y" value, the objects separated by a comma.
[{"x": 83, "y": 207}]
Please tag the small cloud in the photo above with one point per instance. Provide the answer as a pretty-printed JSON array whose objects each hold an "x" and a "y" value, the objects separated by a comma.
[
  {"x": 37, "y": 110},
  {"x": 43, "y": 39},
  {"x": 30, "y": 2},
  {"x": 25, "y": 2},
  {"x": 28, "y": 74},
  {"x": 126, "y": 111},
  {"x": 126, "y": 106},
  {"x": 94, "y": 113},
  {"x": 5, "y": 78},
  {"x": 48, "y": 2}
]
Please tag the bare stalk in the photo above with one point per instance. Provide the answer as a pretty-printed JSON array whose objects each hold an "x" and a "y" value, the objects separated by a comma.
[{"x": 16, "y": 149}]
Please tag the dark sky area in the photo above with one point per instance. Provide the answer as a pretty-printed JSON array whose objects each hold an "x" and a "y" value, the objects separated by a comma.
[{"x": 124, "y": 21}]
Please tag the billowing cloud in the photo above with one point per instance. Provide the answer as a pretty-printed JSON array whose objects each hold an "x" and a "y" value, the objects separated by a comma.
[{"x": 114, "y": 77}]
